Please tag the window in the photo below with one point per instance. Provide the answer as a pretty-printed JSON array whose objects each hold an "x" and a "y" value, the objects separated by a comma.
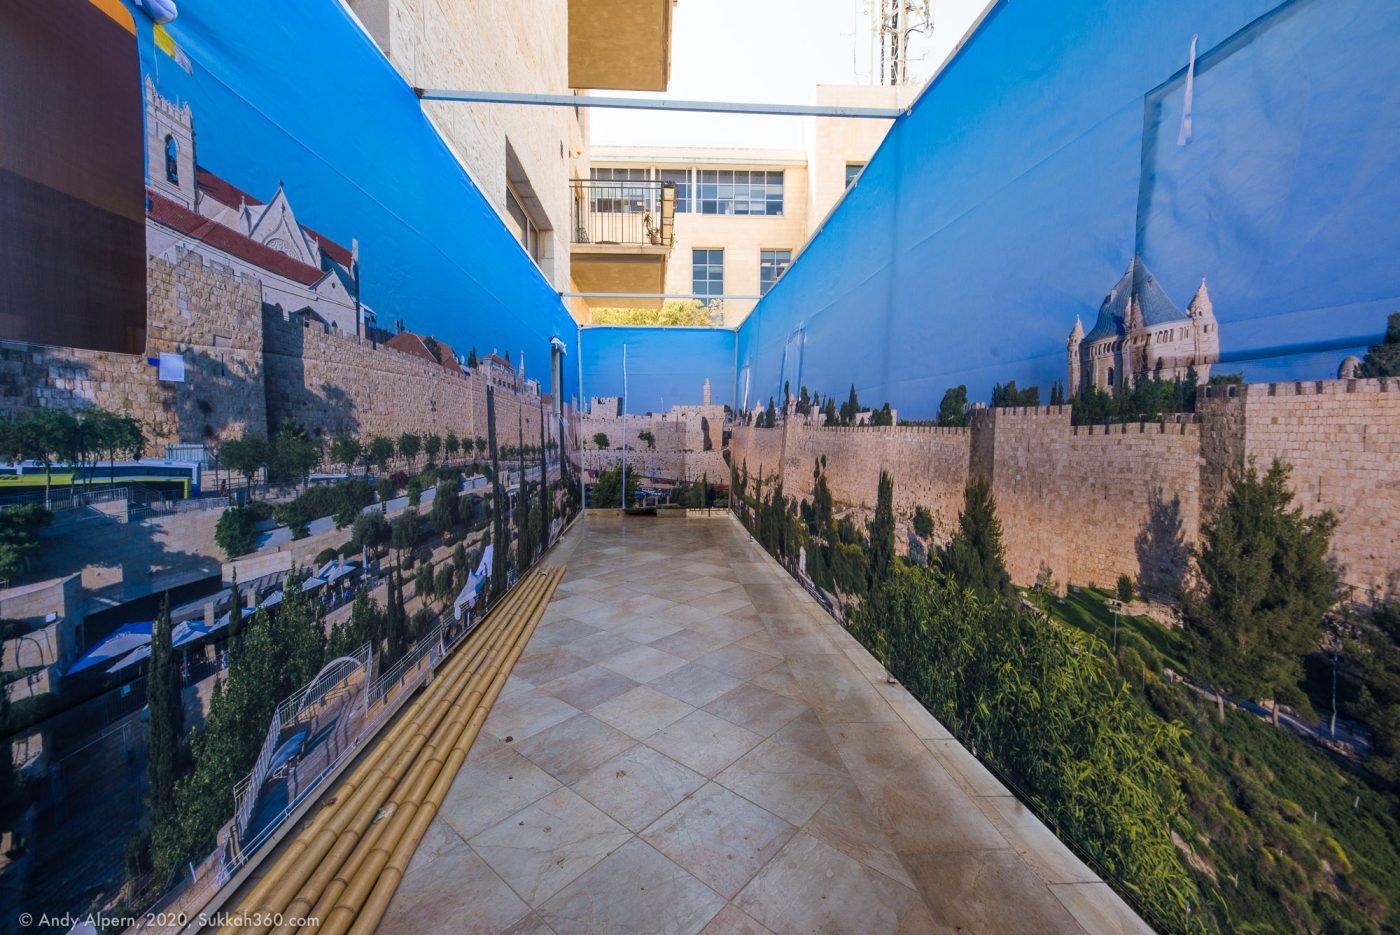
[
  {"x": 621, "y": 198},
  {"x": 707, "y": 275},
  {"x": 523, "y": 226},
  {"x": 771, "y": 266},
  {"x": 681, "y": 179},
  {"x": 853, "y": 170},
  {"x": 172, "y": 159},
  {"x": 725, "y": 191}
]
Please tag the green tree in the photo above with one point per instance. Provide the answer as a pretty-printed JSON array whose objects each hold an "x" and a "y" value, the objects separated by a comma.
[
  {"x": 480, "y": 445},
  {"x": 281, "y": 652},
  {"x": 600, "y": 440},
  {"x": 403, "y": 531},
  {"x": 882, "y": 532},
  {"x": 236, "y": 616},
  {"x": 1124, "y": 588},
  {"x": 1373, "y": 652},
  {"x": 294, "y": 454},
  {"x": 346, "y": 450},
  {"x": 850, "y": 408},
  {"x": 395, "y": 621},
  {"x": 1266, "y": 585},
  {"x": 1008, "y": 395},
  {"x": 452, "y": 445},
  {"x": 472, "y": 361},
  {"x": 47, "y": 436},
  {"x": 1383, "y": 360},
  {"x": 687, "y": 313},
  {"x": 432, "y": 444},
  {"x": 445, "y": 513},
  {"x": 444, "y": 583},
  {"x": 882, "y": 416},
  {"x": 647, "y": 436},
  {"x": 246, "y": 456},
  {"x": 116, "y": 435},
  {"x": 770, "y": 415},
  {"x": 423, "y": 582},
  {"x": 409, "y": 446},
  {"x": 923, "y": 523},
  {"x": 19, "y": 537},
  {"x": 607, "y": 492},
  {"x": 952, "y": 411},
  {"x": 236, "y": 531},
  {"x": 975, "y": 556},
  {"x": 370, "y": 530},
  {"x": 166, "y": 717},
  {"x": 381, "y": 449}
]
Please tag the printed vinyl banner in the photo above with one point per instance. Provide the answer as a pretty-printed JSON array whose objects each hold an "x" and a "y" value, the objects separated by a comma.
[{"x": 274, "y": 375}]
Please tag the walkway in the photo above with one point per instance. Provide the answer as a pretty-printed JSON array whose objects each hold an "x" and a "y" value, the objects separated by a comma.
[{"x": 689, "y": 743}]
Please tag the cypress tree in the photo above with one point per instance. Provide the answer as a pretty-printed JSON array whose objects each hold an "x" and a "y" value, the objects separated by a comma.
[
  {"x": 167, "y": 716},
  {"x": 1267, "y": 585},
  {"x": 882, "y": 533},
  {"x": 975, "y": 556}
]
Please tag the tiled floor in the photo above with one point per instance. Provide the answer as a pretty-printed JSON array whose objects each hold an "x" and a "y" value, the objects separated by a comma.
[{"x": 690, "y": 744}]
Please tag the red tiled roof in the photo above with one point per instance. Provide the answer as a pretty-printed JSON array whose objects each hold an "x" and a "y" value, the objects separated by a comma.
[
  {"x": 413, "y": 344},
  {"x": 501, "y": 361},
  {"x": 182, "y": 219},
  {"x": 229, "y": 194},
  {"x": 222, "y": 191}
]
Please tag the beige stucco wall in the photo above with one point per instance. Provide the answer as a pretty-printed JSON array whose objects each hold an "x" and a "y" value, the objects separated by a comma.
[
  {"x": 831, "y": 142},
  {"x": 482, "y": 44}
]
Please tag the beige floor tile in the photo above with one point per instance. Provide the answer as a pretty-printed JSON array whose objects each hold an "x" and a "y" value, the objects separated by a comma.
[
  {"x": 498, "y": 786},
  {"x": 549, "y": 844},
  {"x": 571, "y": 749},
  {"x": 992, "y": 891},
  {"x": 635, "y": 889},
  {"x": 721, "y": 838},
  {"x": 643, "y": 664},
  {"x": 756, "y": 709},
  {"x": 641, "y": 712},
  {"x": 696, "y": 684},
  {"x": 783, "y": 781},
  {"x": 703, "y": 742},
  {"x": 588, "y": 686},
  {"x": 812, "y": 887},
  {"x": 458, "y": 892},
  {"x": 638, "y": 786}
]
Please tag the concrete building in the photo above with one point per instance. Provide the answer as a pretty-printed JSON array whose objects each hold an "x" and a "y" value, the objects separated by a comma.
[
  {"x": 741, "y": 215},
  {"x": 523, "y": 157}
]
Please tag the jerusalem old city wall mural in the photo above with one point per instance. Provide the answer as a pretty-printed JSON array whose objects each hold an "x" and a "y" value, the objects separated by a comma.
[
  {"x": 1089, "y": 429},
  {"x": 285, "y": 410}
]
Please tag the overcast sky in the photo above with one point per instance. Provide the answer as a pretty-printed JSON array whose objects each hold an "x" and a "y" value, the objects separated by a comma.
[{"x": 770, "y": 51}]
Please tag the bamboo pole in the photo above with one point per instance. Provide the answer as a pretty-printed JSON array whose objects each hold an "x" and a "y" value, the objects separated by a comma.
[
  {"x": 337, "y": 828},
  {"x": 330, "y": 879},
  {"x": 473, "y": 712},
  {"x": 396, "y": 748},
  {"x": 386, "y": 879}
]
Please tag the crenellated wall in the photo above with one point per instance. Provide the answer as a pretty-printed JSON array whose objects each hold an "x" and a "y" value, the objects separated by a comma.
[{"x": 1091, "y": 503}]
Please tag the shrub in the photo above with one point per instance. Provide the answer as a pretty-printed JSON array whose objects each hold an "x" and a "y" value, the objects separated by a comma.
[
  {"x": 1125, "y": 588},
  {"x": 415, "y": 492},
  {"x": 348, "y": 550},
  {"x": 236, "y": 531},
  {"x": 326, "y": 555},
  {"x": 923, "y": 522},
  {"x": 384, "y": 487}
]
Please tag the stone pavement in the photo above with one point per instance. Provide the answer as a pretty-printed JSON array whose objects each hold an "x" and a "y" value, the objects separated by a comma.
[{"x": 689, "y": 743}]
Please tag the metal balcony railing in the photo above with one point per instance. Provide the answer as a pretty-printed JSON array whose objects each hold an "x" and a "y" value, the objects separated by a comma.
[{"x": 624, "y": 212}]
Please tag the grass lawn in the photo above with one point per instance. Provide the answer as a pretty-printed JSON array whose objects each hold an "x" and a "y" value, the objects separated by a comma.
[{"x": 1084, "y": 609}]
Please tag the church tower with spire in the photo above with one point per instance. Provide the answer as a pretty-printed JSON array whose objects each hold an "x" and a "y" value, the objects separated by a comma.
[{"x": 1076, "y": 337}]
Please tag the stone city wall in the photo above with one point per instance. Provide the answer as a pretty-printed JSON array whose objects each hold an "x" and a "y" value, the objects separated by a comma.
[
  {"x": 197, "y": 308},
  {"x": 678, "y": 450},
  {"x": 1091, "y": 503},
  {"x": 1342, "y": 439}
]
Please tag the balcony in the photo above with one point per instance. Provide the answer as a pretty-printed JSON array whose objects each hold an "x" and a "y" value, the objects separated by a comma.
[
  {"x": 622, "y": 45},
  {"x": 622, "y": 232}
]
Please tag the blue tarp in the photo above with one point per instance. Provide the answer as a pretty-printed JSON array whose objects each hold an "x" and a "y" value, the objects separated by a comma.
[
  {"x": 1045, "y": 156},
  {"x": 665, "y": 366}
]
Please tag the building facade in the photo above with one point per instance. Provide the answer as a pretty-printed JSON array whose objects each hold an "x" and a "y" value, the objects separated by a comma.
[
  {"x": 743, "y": 215},
  {"x": 1141, "y": 332}
]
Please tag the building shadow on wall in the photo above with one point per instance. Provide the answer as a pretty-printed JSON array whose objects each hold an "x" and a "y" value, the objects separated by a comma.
[
  {"x": 330, "y": 412},
  {"x": 220, "y": 398},
  {"x": 1163, "y": 555}
]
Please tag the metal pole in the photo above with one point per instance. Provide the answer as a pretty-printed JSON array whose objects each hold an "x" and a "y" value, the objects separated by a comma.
[
  {"x": 624, "y": 427},
  {"x": 635, "y": 103}
]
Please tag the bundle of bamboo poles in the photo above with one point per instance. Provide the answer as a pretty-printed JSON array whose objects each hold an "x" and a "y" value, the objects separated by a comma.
[{"x": 344, "y": 867}]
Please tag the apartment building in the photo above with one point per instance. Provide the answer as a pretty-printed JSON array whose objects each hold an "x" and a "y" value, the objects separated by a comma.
[
  {"x": 523, "y": 157},
  {"x": 739, "y": 216}
]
